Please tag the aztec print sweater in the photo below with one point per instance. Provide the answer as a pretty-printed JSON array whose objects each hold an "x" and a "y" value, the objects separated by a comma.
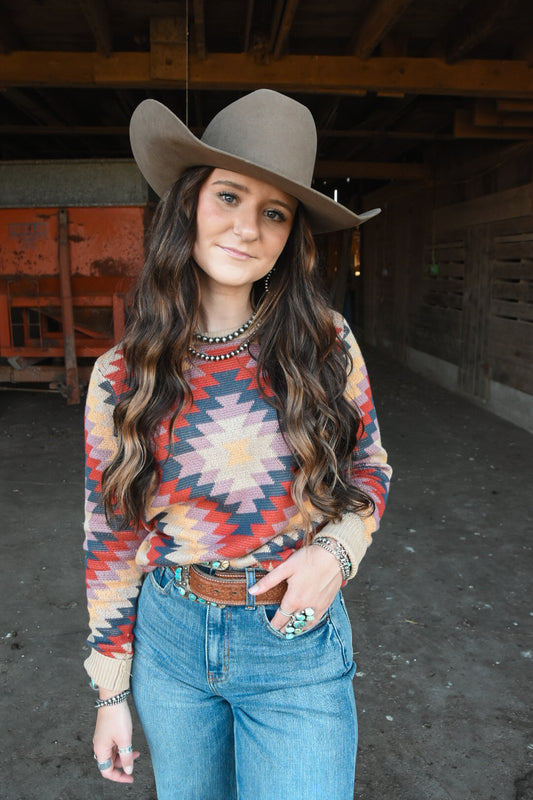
[{"x": 223, "y": 492}]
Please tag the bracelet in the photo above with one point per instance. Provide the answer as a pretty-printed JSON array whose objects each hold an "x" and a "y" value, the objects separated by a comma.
[
  {"x": 338, "y": 551},
  {"x": 113, "y": 701}
]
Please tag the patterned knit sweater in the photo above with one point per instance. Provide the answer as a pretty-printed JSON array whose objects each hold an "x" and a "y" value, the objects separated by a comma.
[{"x": 223, "y": 492}]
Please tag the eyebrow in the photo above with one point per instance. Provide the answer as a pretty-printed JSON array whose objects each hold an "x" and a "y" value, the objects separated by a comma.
[{"x": 245, "y": 190}]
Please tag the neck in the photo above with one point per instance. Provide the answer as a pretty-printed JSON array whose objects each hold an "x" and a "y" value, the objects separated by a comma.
[{"x": 222, "y": 313}]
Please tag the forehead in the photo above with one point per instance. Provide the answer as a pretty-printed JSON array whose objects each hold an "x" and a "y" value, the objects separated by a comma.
[{"x": 252, "y": 186}]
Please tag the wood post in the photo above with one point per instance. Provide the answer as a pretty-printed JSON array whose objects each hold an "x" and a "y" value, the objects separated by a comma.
[{"x": 67, "y": 313}]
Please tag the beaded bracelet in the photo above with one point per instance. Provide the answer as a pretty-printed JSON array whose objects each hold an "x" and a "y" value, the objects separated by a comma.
[
  {"x": 113, "y": 701},
  {"x": 338, "y": 551}
]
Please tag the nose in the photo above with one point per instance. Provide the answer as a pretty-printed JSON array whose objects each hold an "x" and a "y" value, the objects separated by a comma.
[{"x": 245, "y": 223}]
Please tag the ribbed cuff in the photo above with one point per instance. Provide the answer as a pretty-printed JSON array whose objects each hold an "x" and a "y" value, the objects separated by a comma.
[
  {"x": 351, "y": 533},
  {"x": 109, "y": 673}
]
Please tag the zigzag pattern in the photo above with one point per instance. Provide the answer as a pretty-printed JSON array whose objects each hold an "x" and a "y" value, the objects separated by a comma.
[{"x": 224, "y": 489}]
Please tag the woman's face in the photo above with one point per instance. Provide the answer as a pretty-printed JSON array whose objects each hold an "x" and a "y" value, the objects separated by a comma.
[{"x": 242, "y": 225}]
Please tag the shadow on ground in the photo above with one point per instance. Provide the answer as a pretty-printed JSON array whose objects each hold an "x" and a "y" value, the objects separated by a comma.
[{"x": 440, "y": 609}]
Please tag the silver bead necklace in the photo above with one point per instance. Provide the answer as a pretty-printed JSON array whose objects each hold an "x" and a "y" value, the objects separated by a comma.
[{"x": 201, "y": 337}]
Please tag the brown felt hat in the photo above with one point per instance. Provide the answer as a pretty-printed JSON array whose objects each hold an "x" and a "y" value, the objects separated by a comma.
[{"x": 264, "y": 134}]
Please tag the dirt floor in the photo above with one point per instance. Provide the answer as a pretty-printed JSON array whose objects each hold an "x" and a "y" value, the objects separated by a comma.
[{"x": 441, "y": 608}]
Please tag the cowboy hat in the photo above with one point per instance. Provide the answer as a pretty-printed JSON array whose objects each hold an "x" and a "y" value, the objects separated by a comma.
[{"x": 265, "y": 135}]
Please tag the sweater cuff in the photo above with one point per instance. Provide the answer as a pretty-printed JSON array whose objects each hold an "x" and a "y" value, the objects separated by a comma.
[
  {"x": 109, "y": 673},
  {"x": 351, "y": 533}
]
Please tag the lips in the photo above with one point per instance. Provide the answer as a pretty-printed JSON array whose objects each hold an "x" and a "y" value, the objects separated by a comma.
[{"x": 241, "y": 255}]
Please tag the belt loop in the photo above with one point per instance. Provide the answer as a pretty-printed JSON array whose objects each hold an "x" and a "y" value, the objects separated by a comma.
[{"x": 250, "y": 580}]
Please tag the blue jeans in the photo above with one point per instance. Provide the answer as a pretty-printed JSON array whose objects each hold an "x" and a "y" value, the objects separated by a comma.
[{"x": 231, "y": 709}]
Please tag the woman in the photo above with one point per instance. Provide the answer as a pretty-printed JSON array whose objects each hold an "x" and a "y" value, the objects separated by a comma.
[{"x": 234, "y": 463}]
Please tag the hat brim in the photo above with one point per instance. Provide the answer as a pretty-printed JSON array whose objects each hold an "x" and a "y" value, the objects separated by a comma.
[{"x": 164, "y": 147}]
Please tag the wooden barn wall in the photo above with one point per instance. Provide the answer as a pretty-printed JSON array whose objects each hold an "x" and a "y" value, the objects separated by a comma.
[{"x": 448, "y": 283}]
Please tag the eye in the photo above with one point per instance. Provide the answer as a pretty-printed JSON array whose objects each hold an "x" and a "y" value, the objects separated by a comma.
[
  {"x": 228, "y": 197},
  {"x": 275, "y": 215}
]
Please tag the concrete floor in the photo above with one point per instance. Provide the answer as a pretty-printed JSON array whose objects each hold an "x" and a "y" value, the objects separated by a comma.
[{"x": 440, "y": 608}]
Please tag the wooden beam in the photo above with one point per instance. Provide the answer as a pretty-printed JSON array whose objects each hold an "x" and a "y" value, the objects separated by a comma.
[
  {"x": 381, "y": 18},
  {"x": 374, "y": 170},
  {"x": 343, "y": 75},
  {"x": 276, "y": 17},
  {"x": 508, "y": 204},
  {"x": 9, "y": 36},
  {"x": 32, "y": 108},
  {"x": 464, "y": 128},
  {"x": 248, "y": 24},
  {"x": 486, "y": 115},
  {"x": 285, "y": 27},
  {"x": 199, "y": 28},
  {"x": 518, "y": 106},
  {"x": 481, "y": 18},
  {"x": 97, "y": 17},
  {"x": 168, "y": 51}
]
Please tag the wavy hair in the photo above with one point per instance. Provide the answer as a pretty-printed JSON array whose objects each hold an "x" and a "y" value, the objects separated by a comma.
[{"x": 300, "y": 358}]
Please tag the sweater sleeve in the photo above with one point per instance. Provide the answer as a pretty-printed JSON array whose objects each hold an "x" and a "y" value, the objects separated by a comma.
[
  {"x": 113, "y": 579},
  {"x": 368, "y": 469}
]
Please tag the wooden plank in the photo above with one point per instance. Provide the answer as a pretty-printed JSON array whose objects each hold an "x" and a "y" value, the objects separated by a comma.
[
  {"x": 509, "y": 251},
  {"x": 478, "y": 21},
  {"x": 513, "y": 290},
  {"x": 291, "y": 7},
  {"x": 485, "y": 114},
  {"x": 512, "y": 310},
  {"x": 510, "y": 339},
  {"x": 97, "y": 16},
  {"x": 168, "y": 49},
  {"x": 474, "y": 376},
  {"x": 444, "y": 285},
  {"x": 199, "y": 28},
  {"x": 511, "y": 269},
  {"x": 464, "y": 128},
  {"x": 508, "y": 204},
  {"x": 521, "y": 106},
  {"x": 380, "y": 19},
  {"x": 346, "y": 75}
]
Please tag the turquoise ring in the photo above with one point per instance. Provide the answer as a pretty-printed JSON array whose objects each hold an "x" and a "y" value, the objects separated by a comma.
[{"x": 298, "y": 621}]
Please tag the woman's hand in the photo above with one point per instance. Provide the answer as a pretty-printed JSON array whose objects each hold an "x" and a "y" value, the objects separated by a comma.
[
  {"x": 113, "y": 731},
  {"x": 313, "y": 578}
]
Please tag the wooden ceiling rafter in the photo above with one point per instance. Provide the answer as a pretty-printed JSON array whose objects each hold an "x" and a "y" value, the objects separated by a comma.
[
  {"x": 10, "y": 38},
  {"x": 291, "y": 6},
  {"x": 482, "y": 19},
  {"x": 32, "y": 108},
  {"x": 274, "y": 28},
  {"x": 339, "y": 75},
  {"x": 97, "y": 17},
  {"x": 199, "y": 29},
  {"x": 379, "y": 21},
  {"x": 122, "y": 130},
  {"x": 248, "y": 25}
]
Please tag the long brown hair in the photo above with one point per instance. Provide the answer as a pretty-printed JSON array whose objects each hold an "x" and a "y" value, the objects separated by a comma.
[{"x": 300, "y": 356}]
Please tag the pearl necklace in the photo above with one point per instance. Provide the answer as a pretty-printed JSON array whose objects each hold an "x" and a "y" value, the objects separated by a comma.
[{"x": 200, "y": 337}]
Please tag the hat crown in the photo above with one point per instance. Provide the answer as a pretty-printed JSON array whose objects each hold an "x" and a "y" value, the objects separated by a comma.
[{"x": 269, "y": 130}]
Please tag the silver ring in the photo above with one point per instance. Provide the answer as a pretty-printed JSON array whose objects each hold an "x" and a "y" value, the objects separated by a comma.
[
  {"x": 103, "y": 765},
  {"x": 285, "y": 613},
  {"x": 123, "y": 750}
]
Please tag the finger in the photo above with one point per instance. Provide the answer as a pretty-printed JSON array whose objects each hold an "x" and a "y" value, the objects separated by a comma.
[
  {"x": 271, "y": 579},
  {"x": 127, "y": 759},
  {"x": 281, "y": 621}
]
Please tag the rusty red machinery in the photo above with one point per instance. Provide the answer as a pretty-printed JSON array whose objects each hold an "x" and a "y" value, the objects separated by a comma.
[{"x": 66, "y": 273}]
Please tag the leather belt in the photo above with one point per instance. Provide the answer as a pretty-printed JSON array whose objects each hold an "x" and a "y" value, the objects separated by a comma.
[{"x": 229, "y": 588}]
